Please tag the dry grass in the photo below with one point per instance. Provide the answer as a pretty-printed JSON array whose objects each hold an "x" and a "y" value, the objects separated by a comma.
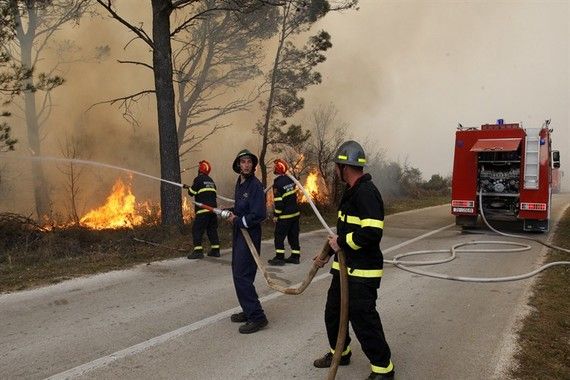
[
  {"x": 544, "y": 339},
  {"x": 31, "y": 257}
]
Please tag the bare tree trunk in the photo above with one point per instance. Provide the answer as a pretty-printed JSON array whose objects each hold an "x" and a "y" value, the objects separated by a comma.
[
  {"x": 269, "y": 109},
  {"x": 186, "y": 105},
  {"x": 170, "y": 196},
  {"x": 41, "y": 194}
]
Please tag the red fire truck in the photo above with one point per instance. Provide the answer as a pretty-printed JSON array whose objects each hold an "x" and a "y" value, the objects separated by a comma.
[{"x": 511, "y": 167}]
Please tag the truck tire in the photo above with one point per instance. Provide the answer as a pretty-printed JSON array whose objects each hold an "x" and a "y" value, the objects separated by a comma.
[
  {"x": 466, "y": 222},
  {"x": 533, "y": 225}
]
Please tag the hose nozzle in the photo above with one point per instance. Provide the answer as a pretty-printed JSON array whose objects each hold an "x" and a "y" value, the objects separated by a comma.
[{"x": 224, "y": 214}]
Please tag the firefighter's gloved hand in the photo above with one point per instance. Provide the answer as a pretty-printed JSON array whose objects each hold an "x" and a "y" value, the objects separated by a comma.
[
  {"x": 333, "y": 242},
  {"x": 187, "y": 187},
  {"x": 231, "y": 217}
]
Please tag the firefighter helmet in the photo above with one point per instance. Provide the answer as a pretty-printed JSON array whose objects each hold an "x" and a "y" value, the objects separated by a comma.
[
  {"x": 350, "y": 153},
  {"x": 279, "y": 166},
  {"x": 204, "y": 167},
  {"x": 244, "y": 153}
]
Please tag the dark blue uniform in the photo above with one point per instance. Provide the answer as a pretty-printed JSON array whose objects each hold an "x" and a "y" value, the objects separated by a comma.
[{"x": 250, "y": 211}]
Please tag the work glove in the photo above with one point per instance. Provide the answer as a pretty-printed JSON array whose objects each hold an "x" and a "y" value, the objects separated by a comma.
[{"x": 187, "y": 188}]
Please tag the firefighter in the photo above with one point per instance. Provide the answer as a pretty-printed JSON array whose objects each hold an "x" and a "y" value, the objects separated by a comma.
[
  {"x": 248, "y": 213},
  {"x": 286, "y": 216},
  {"x": 203, "y": 189},
  {"x": 359, "y": 230}
]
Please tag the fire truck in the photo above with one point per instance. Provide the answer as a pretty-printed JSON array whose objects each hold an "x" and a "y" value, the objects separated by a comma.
[
  {"x": 510, "y": 168},
  {"x": 557, "y": 175}
]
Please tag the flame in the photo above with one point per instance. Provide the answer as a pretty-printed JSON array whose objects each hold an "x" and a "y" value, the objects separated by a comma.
[
  {"x": 119, "y": 210},
  {"x": 313, "y": 185},
  {"x": 187, "y": 210}
]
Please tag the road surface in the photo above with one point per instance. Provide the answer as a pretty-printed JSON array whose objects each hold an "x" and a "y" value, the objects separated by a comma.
[{"x": 170, "y": 319}]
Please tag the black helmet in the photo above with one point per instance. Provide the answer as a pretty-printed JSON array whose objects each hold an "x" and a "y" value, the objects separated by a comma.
[
  {"x": 350, "y": 153},
  {"x": 243, "y": 153}
]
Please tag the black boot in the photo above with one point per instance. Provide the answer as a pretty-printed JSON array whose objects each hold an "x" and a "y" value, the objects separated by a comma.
[
  {"x": 278, "y": 261},
  {"x": 238, "y": 317},
  {"x": 326, "y": 361},
  {"x": 381, "y": 376},
  {"x": 251, "y": 327},
  {"x": 214, "y": 253},
  {"x": 196, "y": 255},
  {"x": 293, "y": 259}
]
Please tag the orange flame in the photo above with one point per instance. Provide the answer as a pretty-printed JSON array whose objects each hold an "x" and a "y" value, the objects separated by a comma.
[
  {"x": 187, "y": 210},
  {"x": 119, "y": 210},
  {"x": 313, "y": 185}
]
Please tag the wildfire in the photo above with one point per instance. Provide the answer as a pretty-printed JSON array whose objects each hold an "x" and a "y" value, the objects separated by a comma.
[
  {"x": 122, "y": 210},
  {"x": 119, "y": 210},
  {"x": 313, "y": 185},
  {"x": 187, "y": 210}
]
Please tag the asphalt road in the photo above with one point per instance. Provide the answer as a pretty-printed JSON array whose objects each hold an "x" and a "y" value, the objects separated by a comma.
[{"x": 170, "y": 319}]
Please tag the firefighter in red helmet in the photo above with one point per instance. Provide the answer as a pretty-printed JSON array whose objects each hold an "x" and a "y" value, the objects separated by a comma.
[
  {"x": 286, "y": 216},
  {"x": 203, "y": 189}
]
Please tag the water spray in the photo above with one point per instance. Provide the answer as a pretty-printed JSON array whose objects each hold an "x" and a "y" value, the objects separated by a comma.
[{"x": 92, "y": 163}]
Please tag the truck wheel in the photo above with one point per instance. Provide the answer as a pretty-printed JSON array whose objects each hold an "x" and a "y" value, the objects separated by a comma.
[
  {"x": 467, "y": 222},
  {"x": 533, "y": 225}
]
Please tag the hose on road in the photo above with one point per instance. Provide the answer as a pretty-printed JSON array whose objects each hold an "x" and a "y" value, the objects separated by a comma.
[{"x": 404, "y": 265}]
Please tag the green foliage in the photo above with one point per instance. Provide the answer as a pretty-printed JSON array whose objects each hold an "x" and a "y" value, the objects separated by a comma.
[
  {"x": 295, "y": 72},
  {"x": 437, "y": 183},
  {"x": 6, "y": 142},
  {"x": 294, "y": 137},
  {"x": 396, "y": 180}
]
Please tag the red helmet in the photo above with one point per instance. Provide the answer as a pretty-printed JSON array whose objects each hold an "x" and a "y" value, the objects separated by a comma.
[
  {"x": 204, "y": 167},
  {"x": 280, "y": 166}
]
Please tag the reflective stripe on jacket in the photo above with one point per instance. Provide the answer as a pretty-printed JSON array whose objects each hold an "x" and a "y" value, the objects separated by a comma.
[
  {"x": 359, "y": 227},
  {"x": 204, "y": 191},
  {"x": 285, "y": 198}
]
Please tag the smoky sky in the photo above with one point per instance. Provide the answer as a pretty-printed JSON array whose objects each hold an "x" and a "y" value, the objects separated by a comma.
[
  {"x": 406, "y": 72},
  {"x": 402, "y": 74}
]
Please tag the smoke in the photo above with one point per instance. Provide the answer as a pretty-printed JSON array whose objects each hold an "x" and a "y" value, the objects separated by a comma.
[
  {"x": 402, "y": 73},
  {"x": 406, "y": 72}
]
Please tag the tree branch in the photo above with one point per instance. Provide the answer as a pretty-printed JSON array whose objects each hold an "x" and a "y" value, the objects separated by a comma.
[
  {"x": 138, "y": 31},
  {"x": 134, "y": 97},
  {"x": 137, "y": 63}
]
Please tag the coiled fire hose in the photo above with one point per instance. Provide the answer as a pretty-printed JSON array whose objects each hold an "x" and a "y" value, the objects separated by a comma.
[{"x": 454, "y": 249}]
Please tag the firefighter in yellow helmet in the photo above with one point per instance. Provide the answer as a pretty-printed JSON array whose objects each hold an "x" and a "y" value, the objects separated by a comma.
[
  {"x": 286, "y": 216},
  {"x": 203, "y": 189},
  {"x": 359, "y": 231}
]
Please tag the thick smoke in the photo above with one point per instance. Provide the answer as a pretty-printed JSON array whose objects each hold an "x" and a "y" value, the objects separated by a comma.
[
  {"x": 409, "y": 71},
  {"x": 403, "y": 73}
]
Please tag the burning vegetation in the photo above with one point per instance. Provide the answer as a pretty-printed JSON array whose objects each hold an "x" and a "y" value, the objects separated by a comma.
[
  {"x": 119, "y": 211},
  {"x": 122, "y": 210},
  {"x": 316, "y": 188}
]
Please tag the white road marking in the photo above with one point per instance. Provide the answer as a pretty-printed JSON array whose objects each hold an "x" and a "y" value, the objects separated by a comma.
[{"x": 143, "y": 346}]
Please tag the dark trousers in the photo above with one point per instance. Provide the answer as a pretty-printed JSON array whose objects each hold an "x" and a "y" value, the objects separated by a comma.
[
  {"x": 243, "y": 271},
  {"x": 287, "y": 228},
  {"x": 206, "y": 222},
  {"x": 363, "y": 317}
]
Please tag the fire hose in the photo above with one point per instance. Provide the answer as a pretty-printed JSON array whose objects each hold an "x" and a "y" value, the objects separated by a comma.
[
  {"x": 454, "y": 249},
  {"x": 343, "y": 326},
  {"x": 324, "y": 255},
  {"x": 343, "y": 275}
]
